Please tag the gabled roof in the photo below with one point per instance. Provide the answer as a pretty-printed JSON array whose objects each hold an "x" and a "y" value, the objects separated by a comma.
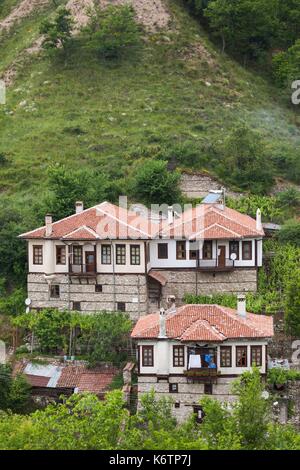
[
  {"x": 211, "y": 221},
  {"x": 205, "y": 323},
  {"x": 104, "y": 221},
  {"x": 107, "y": 221}
]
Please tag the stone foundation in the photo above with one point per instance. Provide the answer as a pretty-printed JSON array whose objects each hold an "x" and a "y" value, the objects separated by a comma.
[
  {"x": 188, "y": 395},
  {"x": 128, "y": 288},
  {"x": 181, "y": 282}
]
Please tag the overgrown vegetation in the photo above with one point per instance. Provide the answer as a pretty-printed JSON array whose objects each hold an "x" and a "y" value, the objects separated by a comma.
[
  {"x": 14, "y": 391},
  {"x": 101, "y": 337},
  {"x": 108, "y": 425}
]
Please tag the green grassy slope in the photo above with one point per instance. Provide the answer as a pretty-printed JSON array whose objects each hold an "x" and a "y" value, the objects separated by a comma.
[{"x": 96, "y": 114}]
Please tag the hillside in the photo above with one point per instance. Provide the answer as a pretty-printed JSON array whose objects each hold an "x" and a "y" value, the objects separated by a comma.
[{"x": 86, "y": 112}]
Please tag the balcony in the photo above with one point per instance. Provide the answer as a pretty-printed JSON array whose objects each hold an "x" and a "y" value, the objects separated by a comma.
[
  {"x": 83, "y": 269},
  {"x": 215, "y": 265},
  {"x": 201, "y": 375}
]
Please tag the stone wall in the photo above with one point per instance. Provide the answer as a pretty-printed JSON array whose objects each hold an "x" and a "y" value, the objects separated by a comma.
[
  {"x": 197, "y": 185},
  {"x": 188, "y": 395},
  {"x": 131, "y": 289},
  {"x": 181, "y": 282}
]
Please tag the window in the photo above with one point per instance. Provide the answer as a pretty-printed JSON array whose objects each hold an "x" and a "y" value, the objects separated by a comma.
[
  {"x": 60, "y": 255},
  {"x": 208, "y": 389},
  {"x": 147, "y": 356},
  {"x": 98, "y": 288},
  {"x": 234, "y": 248},
  {"x": 105, "y": 254},
  {"x": 173, "y": 388},
  {"x": 199, "y": 414},
  {"x": 55, "y": 291},
  {"x": 241, "y": 356},
  {"x": 225, "y": 356},
  {"x": 207, "y": 249},
  {"x": 178, "y": 356},
  {"x": 180, "y": 250},
  {"x": 162, "y": 251},
  {"x": 193, "y": 254},
  {"x": 135, "y": 254},
  {"x": 256, "y": 356},
  {"x": 121, "y": 254},
  {"x": 37, "y": 254},
  {"x": 77, "y": 255},
  {"x": 76, "y": 306},
  {"x": 177, "y": 404},
  {"x": 247, "y": 250},
  {"x": 121, "y": 306}
]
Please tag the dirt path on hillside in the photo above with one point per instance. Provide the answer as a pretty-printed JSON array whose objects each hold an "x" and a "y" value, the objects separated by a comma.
[{"x": 25, "y": 8}]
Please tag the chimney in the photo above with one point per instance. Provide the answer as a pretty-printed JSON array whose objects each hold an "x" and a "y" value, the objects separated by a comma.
[
  {"x": 241, "y": 305},
  {"x": 162, "y": 323},
  {"x": 79, "y": 206},
  {"x": 170, "y": 215},
  {"x": 48, "y": 223},
  {"x": 258, "y": 220}
]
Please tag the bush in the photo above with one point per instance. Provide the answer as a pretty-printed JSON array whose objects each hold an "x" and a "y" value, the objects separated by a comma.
[
  {"x": 290, "y": 233},
  {"x": 292, "y": 308},
  {"x": 114, "y": 31},
  {"x": 154, "y": 184},
  {"x": 245, "y": 163},
  {"x": 58, "y": 32}
]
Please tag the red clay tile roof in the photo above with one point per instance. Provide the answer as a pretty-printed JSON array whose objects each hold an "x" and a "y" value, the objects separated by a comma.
[
  {"x": 209, "y": 221},
  {"x": 95, "y": 381},
  {"x": 70, "y": 376},
  {"x": 106, "y": 220},
  {"x": 37, "y": 380},
  {"x": 158, "y": 276},
  {"x": 205, "y": 323}
]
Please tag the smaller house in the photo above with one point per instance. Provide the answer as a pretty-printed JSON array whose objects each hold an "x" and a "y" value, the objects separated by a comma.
[
  {"x": 198, "y": 350},
  {"x": 51, "y": 380}
]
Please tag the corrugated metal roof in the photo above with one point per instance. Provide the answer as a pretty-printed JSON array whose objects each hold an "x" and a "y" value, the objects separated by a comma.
[{"x": 211, "y": 198}]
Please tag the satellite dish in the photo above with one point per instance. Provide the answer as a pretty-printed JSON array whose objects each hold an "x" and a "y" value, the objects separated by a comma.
[
  {"x": 27, "y": 302},
  {"x": 233, "y": 256}
]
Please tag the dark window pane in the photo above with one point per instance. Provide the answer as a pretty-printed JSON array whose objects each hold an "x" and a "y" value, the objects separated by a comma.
[{"x": 162, "y": 251}]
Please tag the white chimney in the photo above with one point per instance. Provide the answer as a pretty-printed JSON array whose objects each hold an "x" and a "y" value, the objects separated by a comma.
[
  {"x": 48, "y": 223},
  {"x": 241, "y": 305},
  {"x": 79, "y": 206},
  {"x": 258, "y": 220},
  {"x": 162, "y": 323},
  {"x": 170, "y": 215}
]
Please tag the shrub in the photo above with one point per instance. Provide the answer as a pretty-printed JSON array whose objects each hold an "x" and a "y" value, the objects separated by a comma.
[
  {"x": 290, "y": 233},
  {"x": 154, "y": 184},
  {"x": 58, "y": 32},
  {"x": 113, "y": 31},
  {"x": 292, "y": 308}
]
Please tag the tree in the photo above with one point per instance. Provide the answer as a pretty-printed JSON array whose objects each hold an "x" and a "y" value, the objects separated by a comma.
[
  {"x": 251, "y": 411},
  {"x": 246, "y": 163},
  {"x": 14, "y": 392},
  {"x": 114, "y": 31},
  {"x": 68, "y": 186},
  {"x": 246, "y": 27},
  {"x": 292, "y": 309},
  {"x": 5, "y": 385},
  {"x": 58, "y": 32},
  {"x": 290, "y": 233},
  {"x": 286, "y": 65},
  {"x": 154, "y": 184}
]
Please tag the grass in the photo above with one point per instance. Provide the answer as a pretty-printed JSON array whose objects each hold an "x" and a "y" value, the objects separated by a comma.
[{"x": 86, "y": 112}]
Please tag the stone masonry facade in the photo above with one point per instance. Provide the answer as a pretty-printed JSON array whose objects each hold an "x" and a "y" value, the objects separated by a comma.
[
  {"x": 128, "y": 288},
  {"x": 188, "y": 394},
  {"x": 181, "y": 282}
]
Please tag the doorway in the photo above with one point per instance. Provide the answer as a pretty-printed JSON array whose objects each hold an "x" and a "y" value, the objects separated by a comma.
[
  {"x": 90, "y": 264},
  {"x": 222, "y": 256}
]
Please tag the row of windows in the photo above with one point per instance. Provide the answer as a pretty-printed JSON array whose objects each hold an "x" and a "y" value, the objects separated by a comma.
[
  {"x": 207, "y": 250},
  {"x": 106, "y": 254},
  {"x": 225, "y": 356}
]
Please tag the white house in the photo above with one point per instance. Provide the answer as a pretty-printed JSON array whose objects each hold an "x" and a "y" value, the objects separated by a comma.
[
  {"x": 108, "y": 257},
  {"x": 198, "y": 350}
]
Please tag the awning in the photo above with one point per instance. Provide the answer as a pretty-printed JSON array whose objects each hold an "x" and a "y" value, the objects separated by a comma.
[{"x": 158, "y": 276}]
